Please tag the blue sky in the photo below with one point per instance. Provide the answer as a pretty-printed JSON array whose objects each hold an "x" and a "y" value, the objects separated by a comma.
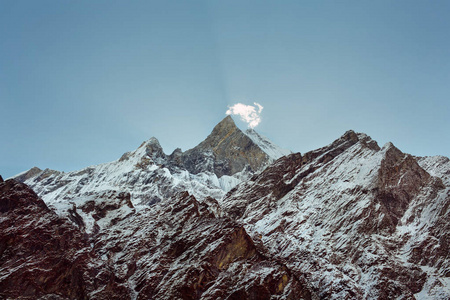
[{"x": 82, "y": 82}]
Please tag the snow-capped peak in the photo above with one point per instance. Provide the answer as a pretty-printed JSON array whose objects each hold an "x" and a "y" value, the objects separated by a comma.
[{"x": 272, "y": 150}]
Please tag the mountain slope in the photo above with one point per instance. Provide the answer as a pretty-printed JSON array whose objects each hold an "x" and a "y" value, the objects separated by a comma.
[
  {"x": 177, "y": 250},
  {"x": 272, "y": 150},
  {"x": 225, "y": 158},
  {"x": 367, "y": 223},
  {"x": 43, "y": 254},
  {"x": 225, "y": 220}
]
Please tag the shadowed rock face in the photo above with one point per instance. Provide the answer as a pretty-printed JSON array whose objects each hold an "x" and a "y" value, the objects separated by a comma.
[
  {"x": 180, "y": 250},
  {"x": 400, "y": 179},
  {"x": 184, "y": 251},
  {"x": 42, "y": 254},
  {"x": 226, "y": 151}
]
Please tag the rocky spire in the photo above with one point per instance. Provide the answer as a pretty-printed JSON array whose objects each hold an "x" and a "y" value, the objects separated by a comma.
[
  {"x": 223, "y": 129},
  {"x": 226, "y": 151},
  {"x": 153, "y": 148}
]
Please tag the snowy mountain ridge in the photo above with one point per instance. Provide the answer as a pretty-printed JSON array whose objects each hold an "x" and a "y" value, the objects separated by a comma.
[
  {"x": 266, "y": 145},
  {"x": 237, "y": 217},
  {"x": 149, "y": 175}
]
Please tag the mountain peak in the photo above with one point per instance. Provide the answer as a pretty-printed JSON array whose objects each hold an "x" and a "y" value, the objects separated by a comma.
[
  {"x": 153, "y": 148},
  {"x": 151, "y": 141},
  {"x": 350, "y": 135},
  {"x": 226, "y": 151},
  {"x": 224, "y": 127},
  {"x": 228, "y": 119}
]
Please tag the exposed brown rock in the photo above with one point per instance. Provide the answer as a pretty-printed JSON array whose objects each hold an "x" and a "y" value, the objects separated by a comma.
[
  {"x": 30, "y": 173},
  {"x": 228, "y": 149},
  {"x": 195, "y": 256},
  {"x": 198, "y": 256},
  {"x": 400, "y": 179},
  {"x": 42, "y": 254},
  {"x": 106, "y": 202},
  {"x": 269, "y": 182}
]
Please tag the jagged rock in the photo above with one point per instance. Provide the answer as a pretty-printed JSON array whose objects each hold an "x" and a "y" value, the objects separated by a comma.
[
  {"x": 154, "y": 150},
  {"x": 16, "y": 197},
  {"x": 224, "y": 220},
  {"x": 185, "y": 252},
  {"x": 176, "y": 158},
  {"x": 44, "y": 255},
  {"x": 348, "y": 212},
  {"x": 152, "y": 176},
  {"x": 226, "y": 151},
  {"x": 400, "y": 179}
]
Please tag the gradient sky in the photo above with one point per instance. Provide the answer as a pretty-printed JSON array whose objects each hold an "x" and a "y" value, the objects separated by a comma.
[{"x": 82, "y": 82}]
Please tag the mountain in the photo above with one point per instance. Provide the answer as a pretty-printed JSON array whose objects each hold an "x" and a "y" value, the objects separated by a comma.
[
  {"x": 179, "y": 250},
  {"x": 272, "y": 150},
  {"x": 362, "y": 222},
  {"x": 43, "y": 255},
  {"x": 226, "y": 151},
  {"x": 236, "y": 217},
  {"x": 224, "y": 159}
]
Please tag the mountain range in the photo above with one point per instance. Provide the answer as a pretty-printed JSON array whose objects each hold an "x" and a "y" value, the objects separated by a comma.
[{"x": 236, "y": 217}]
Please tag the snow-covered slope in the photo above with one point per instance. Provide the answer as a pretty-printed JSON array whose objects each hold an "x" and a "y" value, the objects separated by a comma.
[
  {"x": 149, "y": 176},
  {"x": 225, "y": 220},
  {"x": 363, "y": 222},
  {"x": 177, "y": 249},
  {"x": 266, "y": 145}
]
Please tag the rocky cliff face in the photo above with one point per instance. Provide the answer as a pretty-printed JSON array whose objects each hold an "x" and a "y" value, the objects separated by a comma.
[
  {"x": 224, "y": 220},
  {"x": 183, "y": 251},
  {"x": 177, "y": 250},
  {"x": 363, "y": 221},
  {"x": 42, "y": 254}
]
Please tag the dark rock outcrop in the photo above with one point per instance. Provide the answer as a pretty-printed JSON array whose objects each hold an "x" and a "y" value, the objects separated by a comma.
[
  {"x": 186, "y": 252},
  {"x": 44, "y": 255},
  {"x": 182, "y": 251}
]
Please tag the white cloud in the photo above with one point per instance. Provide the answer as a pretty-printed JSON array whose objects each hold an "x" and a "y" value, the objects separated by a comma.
[{"x": 248, "y": 113}]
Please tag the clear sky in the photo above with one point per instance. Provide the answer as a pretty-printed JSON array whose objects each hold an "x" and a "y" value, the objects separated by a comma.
[{"x": 82, "y": 82}]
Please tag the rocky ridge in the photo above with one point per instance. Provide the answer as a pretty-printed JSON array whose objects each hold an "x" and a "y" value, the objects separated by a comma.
[
  {"x": 43, "y": 255},
  {"x": 225, "y": 221},
  {"x": 225, "y": 158},
  {"x": 358, "y": 218},
  {"x": 177, "y": 250}
]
